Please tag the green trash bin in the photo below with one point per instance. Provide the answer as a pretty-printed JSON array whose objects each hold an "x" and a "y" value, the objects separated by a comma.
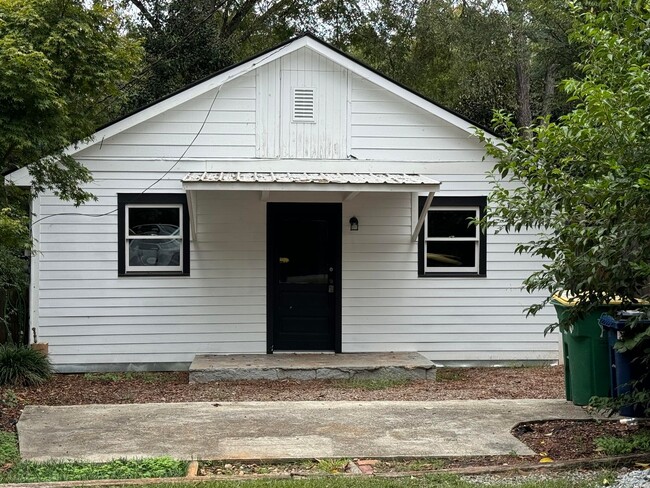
[{"x": 586, "y": 355}]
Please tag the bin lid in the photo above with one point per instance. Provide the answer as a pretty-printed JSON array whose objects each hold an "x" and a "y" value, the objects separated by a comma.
[{"x": 569, "y": 300}]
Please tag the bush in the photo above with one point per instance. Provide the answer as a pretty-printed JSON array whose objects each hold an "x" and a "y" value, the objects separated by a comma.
[{"x": 23, "y": 366}]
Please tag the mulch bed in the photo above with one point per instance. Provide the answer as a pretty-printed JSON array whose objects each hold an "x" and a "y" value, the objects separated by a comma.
[
  {"x": 559, "y": 440},
  {"x": 452, "y": 384},
  {"x": 572, "y": 439}
]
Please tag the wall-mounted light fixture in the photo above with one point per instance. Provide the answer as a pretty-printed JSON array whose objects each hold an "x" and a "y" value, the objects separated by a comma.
[{"x": 354, "y": 223}]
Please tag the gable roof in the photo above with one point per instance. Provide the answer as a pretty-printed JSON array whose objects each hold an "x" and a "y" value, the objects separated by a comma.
[
  {"x": 22, "y": 178},
  {"x": 227, "y": 74}
]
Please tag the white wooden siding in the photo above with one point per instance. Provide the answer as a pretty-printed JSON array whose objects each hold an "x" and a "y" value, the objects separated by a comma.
[
  {"x": 229, "y": 128},
  {"x": 384, "y": 126},
  {"x": 387, "y": 307},
  {"x": 91, "y": 317},
  {"x": 278, "y": 135}
]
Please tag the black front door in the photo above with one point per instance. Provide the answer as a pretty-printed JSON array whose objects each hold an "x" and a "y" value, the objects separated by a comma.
[{"x": 304, "y": 278}]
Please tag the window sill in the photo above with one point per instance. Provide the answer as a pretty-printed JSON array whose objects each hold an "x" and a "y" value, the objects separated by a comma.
[
  {"x": 153, "y": 274},
  {"x": 452, "y": 275}
]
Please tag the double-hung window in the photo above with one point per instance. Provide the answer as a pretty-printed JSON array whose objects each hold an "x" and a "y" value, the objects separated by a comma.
[
  {"x": 450, "y": 243},
  {"x": 153, "y": 234}
]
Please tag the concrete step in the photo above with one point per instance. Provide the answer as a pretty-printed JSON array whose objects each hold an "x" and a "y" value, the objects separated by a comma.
[{"x": 298, "y": 366}]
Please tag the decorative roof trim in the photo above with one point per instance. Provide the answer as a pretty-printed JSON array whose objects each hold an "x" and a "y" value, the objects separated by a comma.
[{"x": 287, "y": 181}]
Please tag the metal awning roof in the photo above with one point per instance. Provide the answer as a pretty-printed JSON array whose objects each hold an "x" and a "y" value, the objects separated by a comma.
[
  {"x": 351, "y": 184},
  {"x": 295, "y": 181}
]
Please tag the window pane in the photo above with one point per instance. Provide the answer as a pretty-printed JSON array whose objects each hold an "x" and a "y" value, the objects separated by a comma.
[
  {"x": 146, "y": 221},
  {"x": 301, "y": 247},
  {"x": 451, "y": 223},
  {"x": 154, "y": 252},
  {"x": 457, "y": 254}
]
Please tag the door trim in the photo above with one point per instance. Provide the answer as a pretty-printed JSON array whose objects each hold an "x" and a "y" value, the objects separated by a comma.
[{"x": 337, "y": 210}]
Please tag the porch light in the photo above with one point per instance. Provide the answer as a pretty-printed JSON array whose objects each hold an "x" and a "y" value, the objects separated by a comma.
[{"x": 354, "y": 223}]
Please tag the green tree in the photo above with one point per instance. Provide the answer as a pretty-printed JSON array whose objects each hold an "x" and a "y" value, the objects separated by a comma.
[
  {"x": 585, "y": 178},
  {"x": 186, "y": 40},
  {"x": 462, "y": 58},
  {"x": 59, "y": 61}
]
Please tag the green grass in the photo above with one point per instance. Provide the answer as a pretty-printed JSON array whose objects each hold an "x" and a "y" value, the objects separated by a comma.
[
  {"x": 419, "y": 464},
  {"x": 433, "y": 481},
  {"x": 332, "y": 465},
  {"x": 370, "y": 384},
  {"x": 29, "y": 472},
  {"x": 17, "y": 471},
  {"x": 447, "y": 374},
  {"x": 618, "y": 446},
  {"x": 144, "y": 376},
  {"x": 8, "y": 448}
]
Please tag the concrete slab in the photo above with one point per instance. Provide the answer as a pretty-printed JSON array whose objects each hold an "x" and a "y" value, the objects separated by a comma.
[
  {"x": 281, "y": 430},
  {"x": 236, "y": 367}
]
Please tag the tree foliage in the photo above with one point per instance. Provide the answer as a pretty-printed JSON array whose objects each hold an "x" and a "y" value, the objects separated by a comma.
[
  {"x": 462, "y": 58},
  {"x": 585, "y": 179},
  {"x": 187, "y": 40},
  {"x": 59, "y": 61},
  {"x": 471, "y": 56}
]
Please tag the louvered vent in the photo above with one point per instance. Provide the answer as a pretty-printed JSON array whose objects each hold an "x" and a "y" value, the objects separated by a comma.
[{"x": 303, "y": 105}]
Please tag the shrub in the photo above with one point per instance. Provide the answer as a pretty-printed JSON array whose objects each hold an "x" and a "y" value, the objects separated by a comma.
[{"x": 23, "y": 366}]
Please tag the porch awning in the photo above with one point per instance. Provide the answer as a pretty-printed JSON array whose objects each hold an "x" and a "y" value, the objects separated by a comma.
[
  {"x": 336, "y": 182},
  {"x": 351, "y": 184}
]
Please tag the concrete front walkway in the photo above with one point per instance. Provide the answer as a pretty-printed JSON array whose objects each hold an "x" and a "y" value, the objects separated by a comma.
[{"x": 281, "y": 430}]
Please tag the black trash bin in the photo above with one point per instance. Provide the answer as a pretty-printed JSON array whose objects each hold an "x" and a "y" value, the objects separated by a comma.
[{"x": 625, "y": 367}]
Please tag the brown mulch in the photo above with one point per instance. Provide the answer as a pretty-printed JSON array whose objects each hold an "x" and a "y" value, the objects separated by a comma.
[
  {"x": 452, "y": 384},
  {"x": 572, "y": 439},
  {"x": 560, "y": 440}
]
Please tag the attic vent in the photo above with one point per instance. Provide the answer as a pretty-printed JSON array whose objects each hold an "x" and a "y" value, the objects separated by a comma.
[{"x": 303, "y": 105}]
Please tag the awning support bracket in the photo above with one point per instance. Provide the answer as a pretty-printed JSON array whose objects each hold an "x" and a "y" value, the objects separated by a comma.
[
  {"x": 191, "y": 204},
  {"x": 423, "y": 215}
]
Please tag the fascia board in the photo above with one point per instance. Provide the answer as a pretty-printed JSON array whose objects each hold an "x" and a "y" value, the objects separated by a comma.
[
  {"x": 19, "y": 177},
  {"x": 407, "y": 95}
]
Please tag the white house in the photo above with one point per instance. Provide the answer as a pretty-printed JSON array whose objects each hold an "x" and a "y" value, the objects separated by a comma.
[{"x": 281, "y": 205}]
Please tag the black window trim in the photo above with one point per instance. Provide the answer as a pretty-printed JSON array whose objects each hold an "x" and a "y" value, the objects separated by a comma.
[
  {"x": 124, "y": 199},
  {"x": 476, "y": 201}
]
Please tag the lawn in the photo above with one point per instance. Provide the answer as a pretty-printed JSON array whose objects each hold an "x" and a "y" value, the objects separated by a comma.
[{"x": 437, "y": 481}]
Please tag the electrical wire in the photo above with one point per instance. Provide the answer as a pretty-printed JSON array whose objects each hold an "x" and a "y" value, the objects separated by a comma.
[{"x": 179, "y": 159}]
